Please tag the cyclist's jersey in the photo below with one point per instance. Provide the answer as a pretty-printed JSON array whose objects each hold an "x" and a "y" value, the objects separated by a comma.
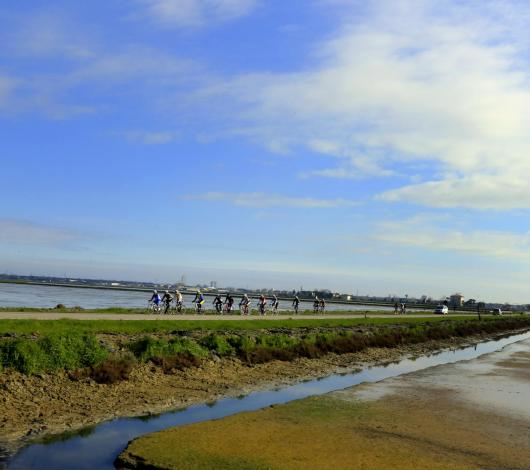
[
  {"x": 155, "y": 299},
  {"x": 296, "y": 301},
  {"x": 244, "y": 301},
  {"x": 167, "y": 298},
  {"x": 262, "y": 300},
  {"x": 199, "y": 299},
  {"x": 230, "y": 300},
  {"x": 178, "y": 297},
  {"x": 218, "y": 300}
]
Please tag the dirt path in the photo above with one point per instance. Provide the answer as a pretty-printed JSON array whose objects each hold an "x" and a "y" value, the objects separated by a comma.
[
  {"x": 468, "y": 415},
  {"x": 136, "y": 316}
]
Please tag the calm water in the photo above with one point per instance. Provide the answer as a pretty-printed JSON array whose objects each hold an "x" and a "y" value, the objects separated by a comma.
[
  {"x": 99, "y": 446},
  {"x": 17, "y": 295}
]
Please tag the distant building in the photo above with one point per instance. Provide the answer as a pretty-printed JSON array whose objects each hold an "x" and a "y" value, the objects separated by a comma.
[{"x": 456, "y": 300}]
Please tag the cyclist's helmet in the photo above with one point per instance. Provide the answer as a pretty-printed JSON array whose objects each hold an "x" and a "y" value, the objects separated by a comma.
[
  {"x": 167, "y": 292},
  {"x": 155, "y": 292}
]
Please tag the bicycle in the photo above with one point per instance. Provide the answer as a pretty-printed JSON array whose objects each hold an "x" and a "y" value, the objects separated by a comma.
[
  {"x": 178, "y": 306},
  {"x": 274, "y": 307},
  {"x": 244, "y": 308},
  {"x": 295, "y": 308},
  {"x": 153, "y": 308},
  {"x": 262, "y": 308},
  {"x": 198, "y": 308},
  {"x": 167, "y": 307}
]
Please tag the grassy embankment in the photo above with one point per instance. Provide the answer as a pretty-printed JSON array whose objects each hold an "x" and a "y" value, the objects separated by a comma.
[
  {"x": 34, "y": 347},
  {"x": 28, "y": 327}
]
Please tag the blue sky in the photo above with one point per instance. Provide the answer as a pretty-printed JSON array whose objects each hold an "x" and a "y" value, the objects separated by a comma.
[{"x": 376, "y": 147}]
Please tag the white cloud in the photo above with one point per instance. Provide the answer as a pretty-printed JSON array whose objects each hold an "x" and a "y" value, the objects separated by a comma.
[
  {"x": 410, "y": 82},
  {"x": 151, "y": 138},
  {"x": 7, "y": 87},
  {"x": 44, "y": 35},
  {"x": 424, "y": 233},
  {"x": 193, "y": 13},
  {"x": 268, "y": 200},
  {"x": 493, "y": 192},
  {"x": 21, "y": 232}
]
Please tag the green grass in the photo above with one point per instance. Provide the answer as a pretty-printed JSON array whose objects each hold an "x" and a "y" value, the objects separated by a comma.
[
  {"x": 69, "y": 345},
  {"x": 25, "y": 327},
  {"x": 51, "y": 353}
]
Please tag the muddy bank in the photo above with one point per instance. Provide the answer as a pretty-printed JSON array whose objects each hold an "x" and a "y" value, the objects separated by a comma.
[
  {"x": 41, "y": 405},
  {"x": 471, "y": 414}
]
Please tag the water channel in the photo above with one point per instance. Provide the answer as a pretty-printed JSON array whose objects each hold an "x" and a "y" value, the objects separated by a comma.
[{"x": 97, "y": 447}]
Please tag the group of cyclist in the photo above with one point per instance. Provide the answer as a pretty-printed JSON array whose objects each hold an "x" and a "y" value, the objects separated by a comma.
[
  {"x": 165, "y": 305},
  {"x": 319, "y": 305}
]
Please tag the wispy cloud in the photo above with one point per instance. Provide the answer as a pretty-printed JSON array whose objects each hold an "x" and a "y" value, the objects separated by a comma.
[
  {"x": 404, "y": 82},
  {"x": 23, "y": 232},
  {"x": 194, "y": 13},
  {"x": 267, "y": 200},
  {"x": 425, "y": 234},
  {"x": 46, "y": 34},
  {"x": 7, "y": 86},
  {"x": 150, "y": 137}
]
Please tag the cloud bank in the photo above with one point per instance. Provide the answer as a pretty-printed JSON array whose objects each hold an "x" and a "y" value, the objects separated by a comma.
[
  {"x": 438, "y": 84},
  {"x": 268, "y": 200},
  {"x": 195, "y": 13}
]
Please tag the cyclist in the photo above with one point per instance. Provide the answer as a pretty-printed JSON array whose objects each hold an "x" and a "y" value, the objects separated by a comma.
[
  {"x": 218, "y": 302},
  {"x": 229, "y": 303},
  {"x": 166, "y": 300},
  {"x": 262, "y": 304},
  {"x": 244, "y": 305},
  {"x": 198, "y": 301},
  {"x": 274, "y": 304},
  {"x": 296, "y": 303},
  {"x": 316, "y": 304},
  {"x": 155, "y": 301},
  {"x": 178, "y": 300},
  {"x": 322, "y": 305}
]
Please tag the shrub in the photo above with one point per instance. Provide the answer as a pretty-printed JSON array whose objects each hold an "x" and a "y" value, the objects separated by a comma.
[
  {"x": 176, "y": 354},
  {"x": 217, "y": 344},
  {"x": 113, "y": 369},
  {"x": 51, "y": 353},
  {"x": 180, "y": 362},
  {"x": 24, "y": 356}
]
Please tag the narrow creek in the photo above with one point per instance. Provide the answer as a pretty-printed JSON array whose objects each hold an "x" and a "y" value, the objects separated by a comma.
[{"x": 97, "y": 447}]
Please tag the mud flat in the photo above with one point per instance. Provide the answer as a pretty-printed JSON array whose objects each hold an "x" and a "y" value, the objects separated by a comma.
[
  {"x": 37, "y": 406},
  {"x": 471, "y": 414}
]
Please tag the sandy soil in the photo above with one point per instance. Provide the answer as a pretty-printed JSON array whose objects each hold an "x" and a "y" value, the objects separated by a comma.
[
  {"x": 468, "y": 415},
  {"x": 49, "y": 404}
]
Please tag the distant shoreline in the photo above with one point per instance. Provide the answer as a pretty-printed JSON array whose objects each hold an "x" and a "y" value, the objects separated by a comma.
[{"x": 425, "y": 306}]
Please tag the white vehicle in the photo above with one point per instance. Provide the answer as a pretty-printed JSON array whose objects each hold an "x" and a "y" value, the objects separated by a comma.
[
  {"x": 441, "y": 309},
  {"x": 497, "y": 311}
]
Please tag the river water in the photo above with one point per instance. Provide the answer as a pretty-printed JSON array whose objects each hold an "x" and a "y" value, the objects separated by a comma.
[
  {"x": 99, "y": 446},
  {"x": 20, "y": 295}
]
